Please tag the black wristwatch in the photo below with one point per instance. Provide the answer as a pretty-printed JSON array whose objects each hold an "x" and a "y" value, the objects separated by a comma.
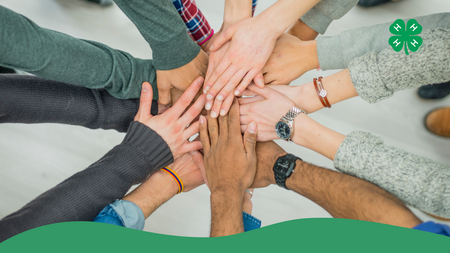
[{"x": 283, "y": 168}]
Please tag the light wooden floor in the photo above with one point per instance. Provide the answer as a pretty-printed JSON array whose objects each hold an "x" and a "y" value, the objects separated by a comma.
[{"x": 34, "y": 158}]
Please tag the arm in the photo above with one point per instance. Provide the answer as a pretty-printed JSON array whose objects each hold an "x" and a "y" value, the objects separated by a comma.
[
  {"x": 227, "y": 179},
  {"x": 82, "y": 196},
  {"x": 343, "y": 196},
  {"x": 60, "y": 57},
  {"x": 252, "y": 41},
  {"x": 32, "y": 100}
]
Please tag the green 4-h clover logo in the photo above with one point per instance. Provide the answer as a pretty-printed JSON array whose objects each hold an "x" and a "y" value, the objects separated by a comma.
[{"x": 404, "y": 35}]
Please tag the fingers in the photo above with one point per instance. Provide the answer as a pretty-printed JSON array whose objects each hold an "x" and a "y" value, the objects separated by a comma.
[
  {"x": 199, "y": 162},
  {"x": 232, "y": 84},
  {"x": 245, "y": 82},
  {"x": 194, "y": 110},
  {"x": 191, "y": 130},
  {"x": 145, "y": 103},
  {"x": 245, "y": 109},
  {"x": 213, "y": 129},
  {"x": 164, "y": 94},
  {"x": 204, "y": 136},
  {"x": 190, "y": 146},
  {"x": 216, "y": 108},
  {"x": 213, "y": 82},
  {"x": 223, "y": 38},
  {"x": 223, "y": 128},
  {"x": 250, "y": 139},
  {"x": 233, "y": 120},
  {"x": 227, "y": 104},
  {"x": 245, "y": 101},
  {"x": 264, "y": 92},
  {"x": 248, "y": 93},
  {"x": 187, "y": 97},
  {"x": 259, "y": 80},
  {"x": 222, "y": 81}
]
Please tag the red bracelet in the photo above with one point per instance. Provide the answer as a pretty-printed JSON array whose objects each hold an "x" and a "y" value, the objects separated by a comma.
[{"x": 321, "y": 92}]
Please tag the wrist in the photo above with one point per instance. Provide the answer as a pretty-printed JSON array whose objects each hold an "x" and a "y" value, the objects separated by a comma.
[
  {"x": 306, "y": 98},
  {"x": 227, "y": 196},
  {"x": 294, "y": 180},
  {"x": 235, "y": 11}
]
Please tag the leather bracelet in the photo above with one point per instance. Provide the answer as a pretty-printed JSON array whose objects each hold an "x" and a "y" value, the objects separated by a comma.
[
  {"x": 323, "y": 93},
  {"x": 318, "y": 92}
]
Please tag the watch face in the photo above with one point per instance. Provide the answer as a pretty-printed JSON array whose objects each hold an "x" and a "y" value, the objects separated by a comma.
[{"x": 283, "y": 130}]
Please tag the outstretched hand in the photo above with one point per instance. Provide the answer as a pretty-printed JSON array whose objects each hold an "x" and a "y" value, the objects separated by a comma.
[{"x": 175, "y": 125}]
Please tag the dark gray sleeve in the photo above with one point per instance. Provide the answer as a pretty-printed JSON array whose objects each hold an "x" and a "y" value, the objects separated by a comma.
[
  {"x": 60, "y": 57},
  {"x": 82, "y": 196},
  {"x": 336, "y": 52},
  {"x": 32, "y": 100},
  {"x": 164, "y": 29}
]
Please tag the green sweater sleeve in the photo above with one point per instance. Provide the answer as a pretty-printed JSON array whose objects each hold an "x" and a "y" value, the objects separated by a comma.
[
  {"x": 418, "y": 181},
  {"x": 376, "y": 76},
  {"x": 60, "y": 57},
  {"x": 336, "y": 52},
  {"x": 162, "y": 27}
]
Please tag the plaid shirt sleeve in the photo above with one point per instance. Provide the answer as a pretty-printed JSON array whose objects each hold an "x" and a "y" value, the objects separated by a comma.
[{"x": 197, "y": 26}]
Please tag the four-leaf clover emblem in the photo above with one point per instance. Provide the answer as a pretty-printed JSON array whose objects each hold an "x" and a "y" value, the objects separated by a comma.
[{"x": 405, "y": 35}]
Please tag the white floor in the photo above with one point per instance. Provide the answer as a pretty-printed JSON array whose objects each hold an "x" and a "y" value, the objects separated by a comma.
[{"x": 34, "y": 158}]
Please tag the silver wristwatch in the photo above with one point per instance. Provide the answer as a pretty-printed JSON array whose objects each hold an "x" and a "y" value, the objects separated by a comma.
[{"x": 285, "y": 127}]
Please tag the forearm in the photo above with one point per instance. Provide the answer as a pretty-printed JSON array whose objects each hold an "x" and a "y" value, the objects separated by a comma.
[
  {"x": 33, "y": 100},
  {"x": 60, "y": 57},
  {"x": 302, "y": 31},
  {"x": 416, "y": 180},
  {"x": 226, "y": 213},
  {"x": 236, "y": 10},
  {"x": 281, "y": 15},
  {"x": 157, "y": 190},
  {"x": 82, "y": 196},
  {"x": 336, "y": 52},
  {"x": 161, "y": 26},
  {"x": 376, "y": 76},
  {"x": 348, "y": 197}
]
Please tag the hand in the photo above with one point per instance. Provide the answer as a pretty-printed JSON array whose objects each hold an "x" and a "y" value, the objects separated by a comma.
[
  {"x": 267, "y": 153},
  {"x": 302, "y": 31},
  {"x": 181, "y": 77},
  {"x": 249, "y": 49},
  {"x": 290, "y": 59},
  {"x": 160, "y": 186},
  {"x": 266, "y": 113},
  {"x": 230, "y": 159},
  {"x": 172, "y": 126}
]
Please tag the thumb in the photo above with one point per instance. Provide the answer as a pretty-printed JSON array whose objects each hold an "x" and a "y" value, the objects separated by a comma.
[
  {"x": 164, "y": 92},
  {"x": 259, "y": 80},
  {"x": 250, "y": 138},
  {"x": 145, "y": 103},
  {"x": 198, "y": 160},
  {"x": 223, "y": 38}
]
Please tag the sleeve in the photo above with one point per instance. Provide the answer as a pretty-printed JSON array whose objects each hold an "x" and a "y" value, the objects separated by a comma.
[
  {"x": 435, "y": 228},
  {"x": 32, "y": 100},
  {"x": 122, "y": 213},
  {"x": 197, "y": 26},
  {"x": 161, "y": 26},
  {"x": 82, "y": 196},
  {"x": 323, "y": 13},
  {"x": 376, "y": 76},
  {"x": 418, "y": 181},
  {"x": 60, "y": 57},
  {"x": 250, "y": 222},
  {"x": 336, "y": 52}
]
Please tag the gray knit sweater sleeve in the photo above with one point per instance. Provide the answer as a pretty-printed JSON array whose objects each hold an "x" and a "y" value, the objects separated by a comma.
[
  {"x": 323, "y": 13},
  {"x": 82, "y": 196},
  {"x": 418, "y": 181},
  {"x": 336, "y": 52},
  {"x": 376, "y": 76},
  {"x": 164, "y": 29}
]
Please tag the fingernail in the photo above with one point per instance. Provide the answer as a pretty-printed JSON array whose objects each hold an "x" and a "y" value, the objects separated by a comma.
[
  {"x": 207, "y": 88},
  {"x": 144, "y": 88},
  {"x": 202, "y": 119},
  {"x": 220, "y": 97},
  {"x": 209, "y": 97},
  {"x": 236, "y": 92},
  {"x": 211, "y": 48},
  {"x": 193, "y": 153},
  {"x": 213, "y": 114},
  {"x": 204, "y": 91},
  {"x": 222, "y": 112},
  {"x": 208, "y": 106},
  {"x": 252, "y": 128}
]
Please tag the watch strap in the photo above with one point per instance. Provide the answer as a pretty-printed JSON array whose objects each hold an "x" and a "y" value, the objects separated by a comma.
[{"x": 281, "y": 168}]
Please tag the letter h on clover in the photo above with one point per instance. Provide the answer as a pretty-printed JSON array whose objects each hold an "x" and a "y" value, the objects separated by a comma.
[{"x": 405, "y": 35}]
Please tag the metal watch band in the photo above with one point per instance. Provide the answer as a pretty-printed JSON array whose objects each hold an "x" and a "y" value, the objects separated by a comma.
[
  {"x": 278, "y": 169},
  {"x": 292, "y": 113}
]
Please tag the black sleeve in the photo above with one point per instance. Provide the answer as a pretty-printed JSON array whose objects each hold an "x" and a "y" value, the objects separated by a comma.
[
  {"x": 31, "y": 100},
  {"x": 82, "y": 196}
]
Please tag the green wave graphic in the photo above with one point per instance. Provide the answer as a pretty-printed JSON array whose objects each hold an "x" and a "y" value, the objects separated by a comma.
[{"x": 303, "y": 235}]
